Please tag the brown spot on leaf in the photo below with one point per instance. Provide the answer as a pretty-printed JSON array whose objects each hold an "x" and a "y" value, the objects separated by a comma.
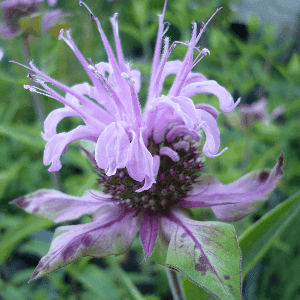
[
  {"x": 226, "y": 277},
  {"x": 183, "y": 235}
]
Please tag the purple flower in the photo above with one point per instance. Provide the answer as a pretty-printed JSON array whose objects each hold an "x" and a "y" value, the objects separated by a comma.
[
  {"x": 257, "y": 112},
  {"x": 112, "y": 114},
  {"x": 148, "y": 163},
  {"x": 14, "y": 10}
]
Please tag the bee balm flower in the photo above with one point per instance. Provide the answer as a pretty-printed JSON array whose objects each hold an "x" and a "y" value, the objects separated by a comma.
[{"x": 148, "y": 162}]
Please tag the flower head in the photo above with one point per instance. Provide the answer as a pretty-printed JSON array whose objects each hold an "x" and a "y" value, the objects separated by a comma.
[
  {"x": 114, "y": 119},
  {"x": 257, "y": 112},
  {"x": 148, "y": 163},
  {"x": 248, "y": 115},
  {"x": 14, "y": 10}
]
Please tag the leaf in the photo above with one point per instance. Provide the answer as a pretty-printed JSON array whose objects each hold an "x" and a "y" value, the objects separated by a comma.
[
  {"x": 125, "y": 280},
  {"x": 258, "y": 239},
  {"x": 193, "y": 291},
  {"x": 140, "y": 12},
  {"x": 95, "y": 279},
  {"x": 25, "y": 228},
  {"x": 208, "y": 254},
  {"x": 12, "y": 173},
  {"x": 293, "y": 66},
  {"x": 28, "y": 135}
]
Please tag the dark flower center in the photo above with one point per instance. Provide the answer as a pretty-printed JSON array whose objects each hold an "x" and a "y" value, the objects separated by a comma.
[{"x": 173, "y": 181}]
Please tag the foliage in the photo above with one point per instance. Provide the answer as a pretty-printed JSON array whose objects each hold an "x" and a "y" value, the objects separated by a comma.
[{"x": 244, "y": 67}]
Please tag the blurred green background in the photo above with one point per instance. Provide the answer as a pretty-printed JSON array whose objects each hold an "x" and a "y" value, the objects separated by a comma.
[{"x": 245, "y": 58}]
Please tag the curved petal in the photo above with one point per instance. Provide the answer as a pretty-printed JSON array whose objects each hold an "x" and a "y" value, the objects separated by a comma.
[
  {"x": 112, "y": 148},
  {"x": 59, "y": 207},
  {"x": 58, "y": 144},
  {"x": 53, "y": 119},
  {"x": 111, "y": 234},
  {"x": 235, "y": 201},
  {"x": 212, "y": 133},
  {"x": 148, "y": 233},
  {"x": 210, "y": 109},
  {"x": 181, "y": 129},
  {"x": 140, "y": 162},
  {"x": 160, "y": 123},
  {"x": 211, "y": 87},
  {"x": 183, "y": 107}
]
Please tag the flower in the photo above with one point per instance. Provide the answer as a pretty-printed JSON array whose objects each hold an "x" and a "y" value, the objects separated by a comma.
[
  {"x": 14, "y": 10},
  {"x": 148, "y": 163},
  {"x": 251, "y": 114}
]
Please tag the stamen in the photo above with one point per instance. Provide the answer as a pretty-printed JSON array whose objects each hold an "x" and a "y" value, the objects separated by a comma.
[
  {"x": 167, "y": 24},
  {"x": 203, "y": 26},
  {"x": 37, "y": 90}
]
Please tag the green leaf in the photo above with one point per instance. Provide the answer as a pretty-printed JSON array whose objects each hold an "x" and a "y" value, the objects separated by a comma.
[
  {"x": 25, "y": 228},
  {"x": 28, "y": 135},
  {"x": 208, "y": 254},
  {"x": 95, "y": 279},
  {"x": 7, "y": 176},
  {"x": 293, "y": 66},
  {"x": 126, "y": 281},
  {"x": 258, "y": 239},
  {"x": 193, "y": 291},
  {"x": 140, "y": 12}
]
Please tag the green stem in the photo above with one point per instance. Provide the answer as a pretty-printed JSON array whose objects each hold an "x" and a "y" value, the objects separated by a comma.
[{"x": 175, "y": 284}]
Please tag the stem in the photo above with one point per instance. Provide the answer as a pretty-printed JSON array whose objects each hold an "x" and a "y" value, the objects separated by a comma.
[
  {"x": 38, "y": 105},
  {"x": 175, "y": 284}
]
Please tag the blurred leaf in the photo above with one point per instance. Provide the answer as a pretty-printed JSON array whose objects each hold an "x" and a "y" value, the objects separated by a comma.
[
  {"x": 10, "y": 292},
  {"x": 253, "y": 23},
  {"x": 293, "y": 66},
  {"x": 130, "y": 30},
  {"x": 259, "y": 161},
  {"x": 28, "y": 135},
  {"x": 22, "y": 276},
  {"x": 140, "y": 12},
  {"x": 36, "y": 247},
  {"x": 7, "y": 176},
  {"x": 258, "y": 239},
  {"x": 7, "y": 79},
  {"x": 97, "y": 280},
  {"x": 125, "y": 280},
  {"x": 24, "y": 229}
]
